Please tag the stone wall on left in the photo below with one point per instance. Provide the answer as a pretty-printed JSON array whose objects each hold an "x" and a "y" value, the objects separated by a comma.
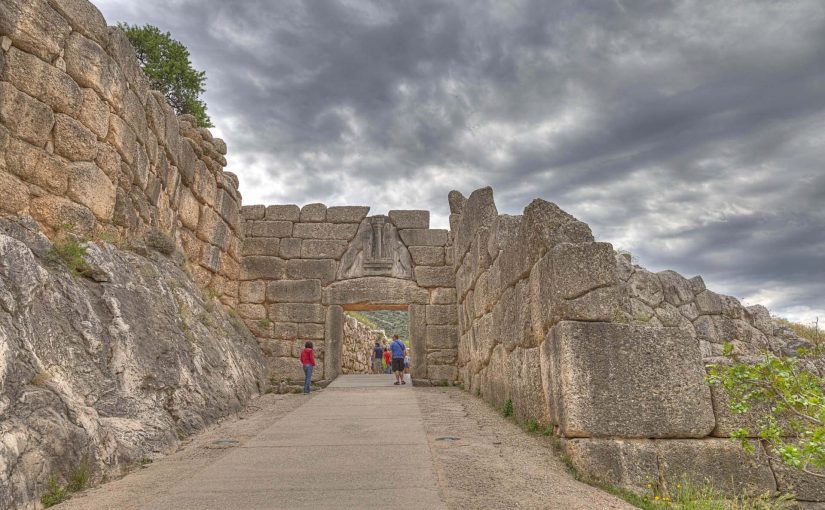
[
  {"x": 107, "y": 371},
  {"x": 86, "y": 145}
]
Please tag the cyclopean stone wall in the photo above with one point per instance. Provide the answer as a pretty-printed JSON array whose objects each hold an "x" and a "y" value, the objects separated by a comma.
[
  {"x": 359, "y": 340},
  {"x": 609, "y": 354},
  {"x": 85, "y": 142},
  {"x": 301, "y": 267}
]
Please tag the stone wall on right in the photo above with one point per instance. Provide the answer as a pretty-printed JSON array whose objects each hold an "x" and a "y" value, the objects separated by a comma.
[{"x": 608, "y": 354}]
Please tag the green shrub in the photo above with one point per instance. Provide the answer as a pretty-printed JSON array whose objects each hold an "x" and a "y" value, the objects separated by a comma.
[
  {"x": 531, "y": 425},
  {"x": 507, "y": 408},
  {"x": 793, "y": 389},
  {"x": 54, "y": 494}
]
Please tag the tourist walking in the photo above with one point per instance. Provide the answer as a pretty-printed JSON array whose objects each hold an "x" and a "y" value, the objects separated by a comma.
[
  {"x": 308, "y": 362},
  {"x": 377, "y": 358},
  {"x": 387, "y": 360},
  {"x": 399, "y": 352}
]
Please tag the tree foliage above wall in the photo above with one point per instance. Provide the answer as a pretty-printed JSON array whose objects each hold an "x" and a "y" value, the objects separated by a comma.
[{"x": 166, "y": 63}]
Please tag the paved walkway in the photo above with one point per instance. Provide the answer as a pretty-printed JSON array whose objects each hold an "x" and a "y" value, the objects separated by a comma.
[{"x": 360, "y": 443}]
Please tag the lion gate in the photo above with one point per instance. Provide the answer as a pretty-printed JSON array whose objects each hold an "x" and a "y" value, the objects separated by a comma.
[{"x": 303, "y": 267}]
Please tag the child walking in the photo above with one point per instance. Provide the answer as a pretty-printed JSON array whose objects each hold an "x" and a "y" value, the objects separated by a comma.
[{"x": 308, "y": 362}]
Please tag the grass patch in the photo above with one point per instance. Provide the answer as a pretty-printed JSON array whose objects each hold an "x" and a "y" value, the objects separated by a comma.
[
  {"x": 70, "y": 252},
  {"x": 507, "y": 409},
  {"x": 79, "y": 478},
  {"x": 531, "y": 425},
  {"x": 264, "y": 323}
]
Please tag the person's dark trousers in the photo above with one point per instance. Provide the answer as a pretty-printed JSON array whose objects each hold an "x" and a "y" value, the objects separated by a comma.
[{"x": 307, "y": 377}]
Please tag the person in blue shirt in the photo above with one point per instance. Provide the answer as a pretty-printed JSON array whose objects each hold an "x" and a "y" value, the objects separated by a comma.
[{"x": 399, "y": 351}]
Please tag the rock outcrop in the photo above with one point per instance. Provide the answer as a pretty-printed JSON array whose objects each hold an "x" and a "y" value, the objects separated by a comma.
[{"x": 107, "y": 371}]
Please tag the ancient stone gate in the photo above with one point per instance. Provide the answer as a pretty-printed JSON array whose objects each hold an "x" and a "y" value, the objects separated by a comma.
[{"x": 303, "y": 267}]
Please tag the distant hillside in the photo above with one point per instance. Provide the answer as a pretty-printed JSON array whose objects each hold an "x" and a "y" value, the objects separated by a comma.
[{"x": 392, "y": 322}]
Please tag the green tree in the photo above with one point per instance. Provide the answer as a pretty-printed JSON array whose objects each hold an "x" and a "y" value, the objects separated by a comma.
[
  {"x": 166, "y": 62},
  {"x": 792, "y": 389}
]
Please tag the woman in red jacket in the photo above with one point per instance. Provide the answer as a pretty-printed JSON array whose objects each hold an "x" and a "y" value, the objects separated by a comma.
[{"x": 308, "y": 362}]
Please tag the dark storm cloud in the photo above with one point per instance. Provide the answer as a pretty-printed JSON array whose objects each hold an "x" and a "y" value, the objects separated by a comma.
[{"x": 689, "y": 132}]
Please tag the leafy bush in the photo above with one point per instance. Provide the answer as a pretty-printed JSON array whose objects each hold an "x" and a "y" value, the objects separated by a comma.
[{"x": 792, "y": 389}]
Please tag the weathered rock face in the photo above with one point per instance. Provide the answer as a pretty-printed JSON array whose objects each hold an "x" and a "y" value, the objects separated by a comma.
[
  {"x": 358, "y": 342},
  {"x": 111, "y": 371}
]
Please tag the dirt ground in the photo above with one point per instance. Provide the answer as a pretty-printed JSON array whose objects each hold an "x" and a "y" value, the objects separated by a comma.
[{"x": 485, "y": 461}]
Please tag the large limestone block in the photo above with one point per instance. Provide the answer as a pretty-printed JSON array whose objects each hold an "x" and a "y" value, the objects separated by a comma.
[
  {"x": 297, "y": 312},
  {"x": 290, "y": 248},
  {"x": 546, "y": 225},
  {"x": 503, "y": 232},
  {"x": 260, "y": 246},
  {"x": 311, "y": 269},
  {"x": 442, "y": 373},
  {"x": 121, "y": 49},
  {"x": 427, "y": 255},
  {"x": 721, "y": 461},
  {"x": 25, "y": 116},
  {"x": 334, "y": 339},
  {"x": 527, "y": 393},
  {"x": 189, "y": 209},
  {"x": 72, "y": 140},
  {"x": 479, "y": 211},
  {"x": 627, "y": 381},
  {"x": 442, "y": 314},
  {"x": 55, "y": 212},
  {"x": 252, "y": 292},
  {"x": 410, "y": 219},
  {"x": 574, "y": 282},
  {"x": 263, "y": 268},
  {"x": 428, "y": 276},
  {"x": 283, "y": 213},
  {"x": 418, "y": 340},
  {"x": 253, "y": 212},
  {"x": 727, "y": 421},
  {"x": 511, "y": 318},
  {"x": 496, "y": 384},
  {"x": 323, "y": 248},
  {"x": 457, "y": 201},
  {"x": 708, "y": 303},
  {"x": 804, "y": 486},
  {"x": 513, "y": 262},
  {"x": 294, "y": 291},
  {"x": 442, "y": 337},
  {"x": 313, "y": 213},
  {"x": 270, "y": 229},
  {"x": 38, "y": 79},
  {"x": 83, "y": 17},
  {"x": 344, "y": 231},
  {"x": 123, "y": 138},
  {"x": 375, "y": 290},
  {"x": 627, "y": 463},
  {"x": 92, "y": 67},
  {"x": 443, "y": 296},
  {"x": 424, "y": 237},
  {"x": 94, "y": 113},
  {"x": 37, "y": 166},
  {"x": 445, "y": 357},
  {"x": 646, "y": 286},
  {"x": 347, "y": 214},
  {"x": 89, "y": 186},
  {"x": 34, "y": 27},
  {"x": 677, "y": 289},
  {"x": 14, "y": 192}
]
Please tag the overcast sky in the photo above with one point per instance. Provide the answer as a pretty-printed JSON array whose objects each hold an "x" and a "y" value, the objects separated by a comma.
[{"x": 691, "y": 133}]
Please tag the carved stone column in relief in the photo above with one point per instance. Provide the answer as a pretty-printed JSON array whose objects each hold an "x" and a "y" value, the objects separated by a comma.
[{"x": 377, "y": 250}]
